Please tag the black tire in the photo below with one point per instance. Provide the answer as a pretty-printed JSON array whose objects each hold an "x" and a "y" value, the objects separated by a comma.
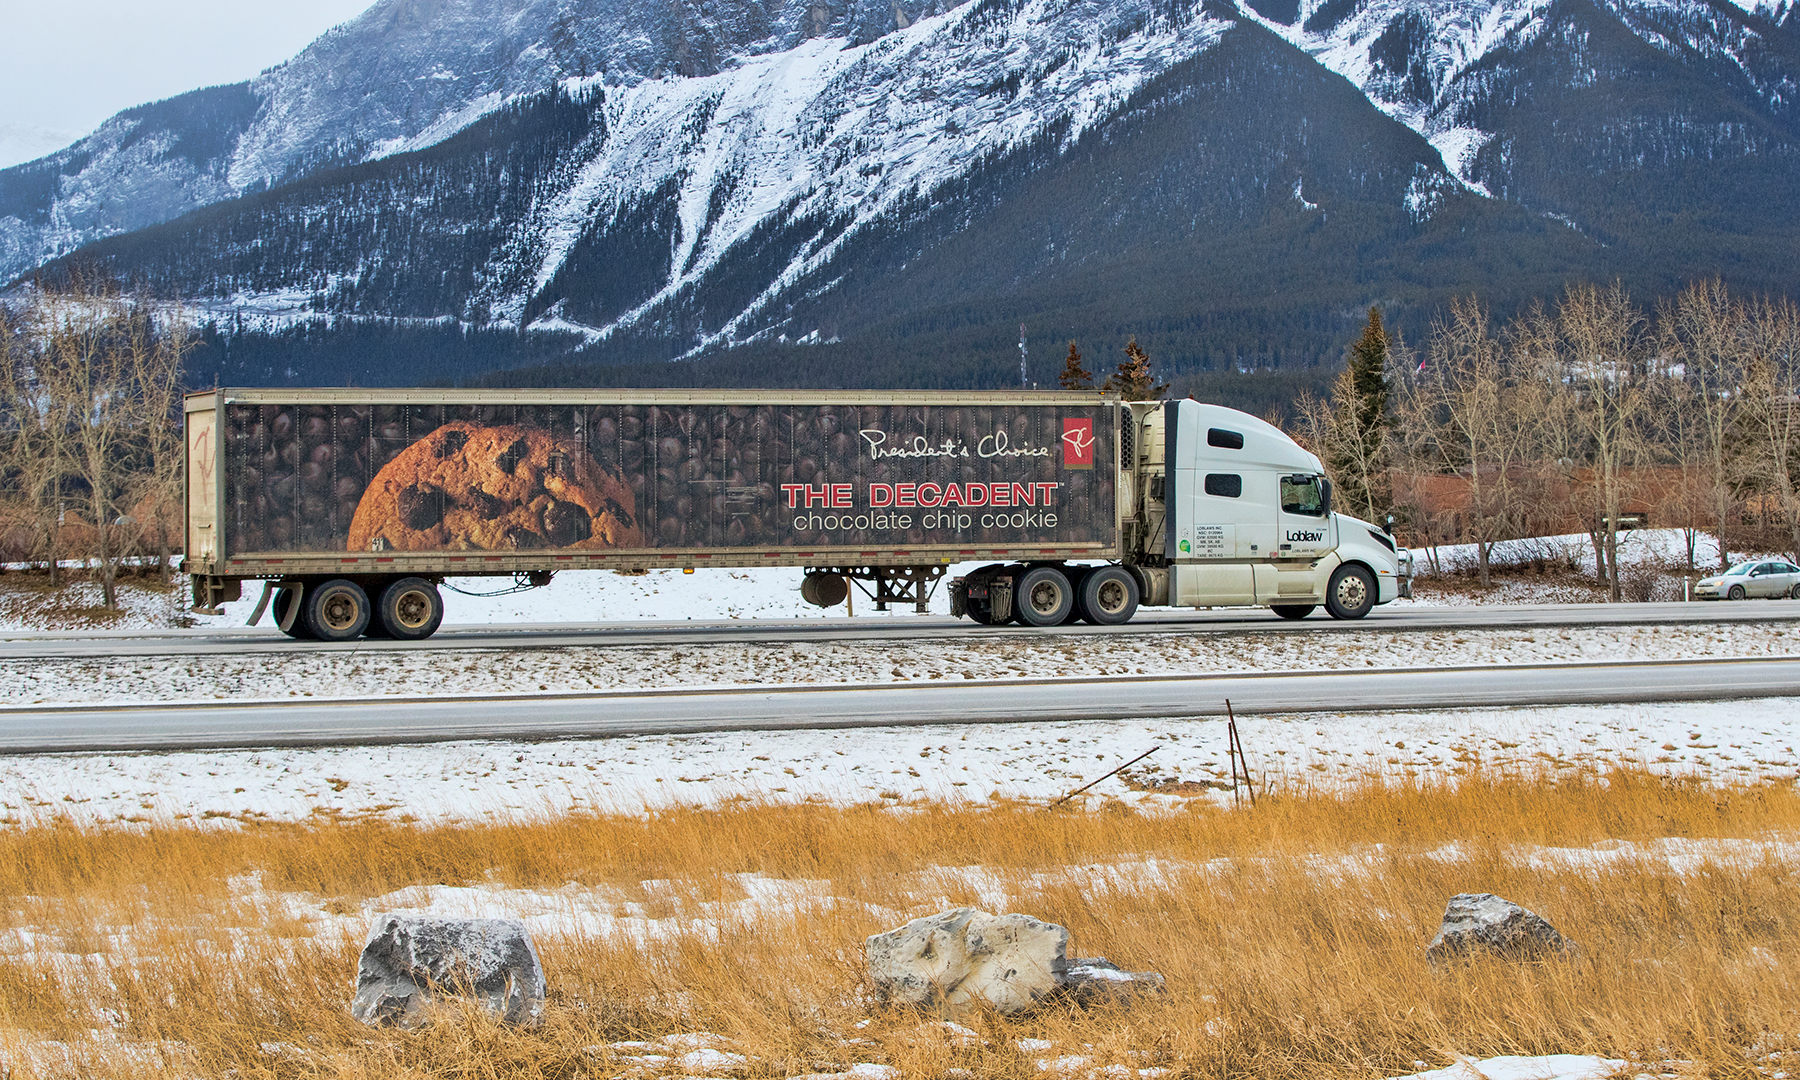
[
  {"x": 279, "y": 605},
  {"x": 1042, "y": 597},
  {"x": 1107, "y": 596},
  {"x": 410, "y": 609},
  {"x": 1351, "y": 593},
  {"x": 1293, "y": 611},
  {"x": 1736, "y": 593},
  {"x": 337, "y": 610},
  {"x": 1794, "y": 592},
  {"x": 981, "y": 611}
]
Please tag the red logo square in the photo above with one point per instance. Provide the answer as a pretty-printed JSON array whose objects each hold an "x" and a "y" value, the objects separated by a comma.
[{"x": 1078, "y": 443}]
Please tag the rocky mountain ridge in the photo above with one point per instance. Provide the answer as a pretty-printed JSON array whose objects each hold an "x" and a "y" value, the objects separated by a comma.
[{"x": 662, "y": 180}]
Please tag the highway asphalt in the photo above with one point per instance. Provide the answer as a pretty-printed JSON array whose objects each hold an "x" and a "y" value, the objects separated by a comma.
[
  {"x": 166, "y": 727},
  {"x": 16, "y": 645}
]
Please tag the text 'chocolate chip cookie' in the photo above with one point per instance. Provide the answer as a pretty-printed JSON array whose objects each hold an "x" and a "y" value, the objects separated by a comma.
[{"x": 465, "y": 487}]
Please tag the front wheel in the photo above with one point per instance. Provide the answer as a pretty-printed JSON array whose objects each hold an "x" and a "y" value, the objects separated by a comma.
[
  {"x": 1107, "y": 596},
  {"x": 1293, "y": 611},
  {"x": 1736, "y": 593},
  {"x": 1351, "y": 593},
  {"x": 336, "y": 611},
  {"x": 409, "y": 610},
  {"x": 1042, "y": 597},
  {"x": 1794, "y": 593}
]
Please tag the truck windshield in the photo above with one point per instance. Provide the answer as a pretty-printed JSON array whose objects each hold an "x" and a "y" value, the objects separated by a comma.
[{"x": 1302, "y": 495}]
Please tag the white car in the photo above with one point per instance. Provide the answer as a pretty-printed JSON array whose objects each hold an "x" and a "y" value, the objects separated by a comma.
[{"x": 1761, "y": 577}]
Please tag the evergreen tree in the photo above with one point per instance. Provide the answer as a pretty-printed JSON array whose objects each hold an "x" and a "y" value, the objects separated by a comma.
[
  {"x": 1074, "y": 376},
  {"x": 1359, "y": 461},
  {"x": 1133, "y": 381}
]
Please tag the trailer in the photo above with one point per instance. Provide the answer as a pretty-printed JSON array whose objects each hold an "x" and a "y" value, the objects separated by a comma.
[{"x": 353, "y": 506}]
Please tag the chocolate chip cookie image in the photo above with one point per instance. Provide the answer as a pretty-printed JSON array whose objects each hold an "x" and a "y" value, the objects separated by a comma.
[{"x": 466, "y": 487}]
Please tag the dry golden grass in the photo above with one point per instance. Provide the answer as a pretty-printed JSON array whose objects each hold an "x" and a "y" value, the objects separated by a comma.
[{"x": 1292, "y": 936}]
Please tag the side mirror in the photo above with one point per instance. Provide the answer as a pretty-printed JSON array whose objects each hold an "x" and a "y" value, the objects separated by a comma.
[{"x": 1325, "y": 495}]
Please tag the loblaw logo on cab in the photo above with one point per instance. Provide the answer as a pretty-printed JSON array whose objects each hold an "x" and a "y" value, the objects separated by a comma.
[{"x": 1078, "y": 443}]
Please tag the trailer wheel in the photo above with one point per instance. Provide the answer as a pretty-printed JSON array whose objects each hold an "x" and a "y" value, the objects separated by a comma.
[
  {"x": 1042, "y": 597},
  {"x": 281, "y": 604},
  {"x": 1293, "y": 611},
  {"x": 337, "y": 610},
  {"x": 409, "y": 610},
  {"x": 981, "y": 611},
  {"x": 1351, "y": 593},
  {"x": 1107, "y": 596}
]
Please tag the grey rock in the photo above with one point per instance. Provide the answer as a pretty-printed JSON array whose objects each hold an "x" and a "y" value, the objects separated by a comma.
[
  {"x": 1095, "y": 980},
  {"x": 958, "y": 960},
  {"x": 1482, "y": 923},
  {"x": 962, "y": 960},
  {"x": 410, "y": 961}
]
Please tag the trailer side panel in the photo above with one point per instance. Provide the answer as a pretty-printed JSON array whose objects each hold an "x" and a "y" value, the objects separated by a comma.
[{"x": 480, "y": 484}]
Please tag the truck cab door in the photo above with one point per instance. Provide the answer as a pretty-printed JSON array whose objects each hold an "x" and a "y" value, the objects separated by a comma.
[{"x": 1304, "y": 526}]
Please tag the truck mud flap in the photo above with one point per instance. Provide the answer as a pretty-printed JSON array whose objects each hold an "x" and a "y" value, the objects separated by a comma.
[
  {"x": 1000, "y": 600},
  {"x": 293, "y": 612},
  {"x": 262, "y": 604},
  {"x": 959, "y": 599}
]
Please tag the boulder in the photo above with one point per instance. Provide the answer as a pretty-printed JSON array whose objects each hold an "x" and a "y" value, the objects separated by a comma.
[
  {"x": 962, "y": 960},
  {"x": 1485, "y": 923},
  {"x": 959, "y": 960},
  {"x": 1094, "y": 980},
  {"x": 411, "y": 960}
]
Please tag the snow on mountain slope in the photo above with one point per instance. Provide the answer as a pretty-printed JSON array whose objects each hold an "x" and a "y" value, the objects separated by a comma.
[
  {"x": 1424, "y": 63},
  {"x": 1402, "y": 55},
  {"x": 850, "y": 132},
  {"x": 404, "y": 74}
]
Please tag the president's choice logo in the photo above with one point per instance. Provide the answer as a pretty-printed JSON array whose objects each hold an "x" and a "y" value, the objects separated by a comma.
[{"x": 1078, "y": 444}]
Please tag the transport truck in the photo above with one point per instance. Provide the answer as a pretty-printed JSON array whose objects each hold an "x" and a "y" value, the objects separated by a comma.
[{"x": 354, "y": 507}]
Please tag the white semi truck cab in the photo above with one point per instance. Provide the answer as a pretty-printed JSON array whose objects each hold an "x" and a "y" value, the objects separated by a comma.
[{"x": 1216, "y": 509}]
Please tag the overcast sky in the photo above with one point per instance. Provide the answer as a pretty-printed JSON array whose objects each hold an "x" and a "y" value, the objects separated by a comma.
[{"x": 66, "y": 65}]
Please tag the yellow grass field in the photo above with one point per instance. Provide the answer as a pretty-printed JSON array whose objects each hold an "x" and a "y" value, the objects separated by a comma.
[{"x": 1292, "y": 935}]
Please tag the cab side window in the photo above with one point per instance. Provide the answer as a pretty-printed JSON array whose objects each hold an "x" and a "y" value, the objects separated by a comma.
[
  {"x": 1302, "y": 495},
  {"x": 1225, "y": 485}
]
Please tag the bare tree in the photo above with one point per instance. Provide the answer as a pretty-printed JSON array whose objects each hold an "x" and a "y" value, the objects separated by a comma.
[
  {"x": 156, "y": 351},
  {"x": 1772, "y": 404},
  {"x": 1703, "y": 333},
  {"x": 1592, "y": 357},
  {"x": 36, "y": 442},
  {"x": 93, "y": 389},
  {"x": 1460, "y": 417}
]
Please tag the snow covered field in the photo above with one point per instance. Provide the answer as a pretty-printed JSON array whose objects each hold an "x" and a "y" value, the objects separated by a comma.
[
  {"x": 1745, "y": 740},
  {"x": 374, "y": 673}
]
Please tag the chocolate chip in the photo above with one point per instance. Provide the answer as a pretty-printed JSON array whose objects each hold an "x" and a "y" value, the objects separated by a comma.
[
  {"x": 452, "y": 445},
  {"x": 510, "y": 457},
  {"x": 566, "y": 523},
  {"x": 484, "y": 504},
  {"x": 523, "y": 539},
  {"x": 419, "y": 508}
]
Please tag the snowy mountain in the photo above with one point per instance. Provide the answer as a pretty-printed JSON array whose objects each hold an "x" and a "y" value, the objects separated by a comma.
[{"x": 662, "y": 180}]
